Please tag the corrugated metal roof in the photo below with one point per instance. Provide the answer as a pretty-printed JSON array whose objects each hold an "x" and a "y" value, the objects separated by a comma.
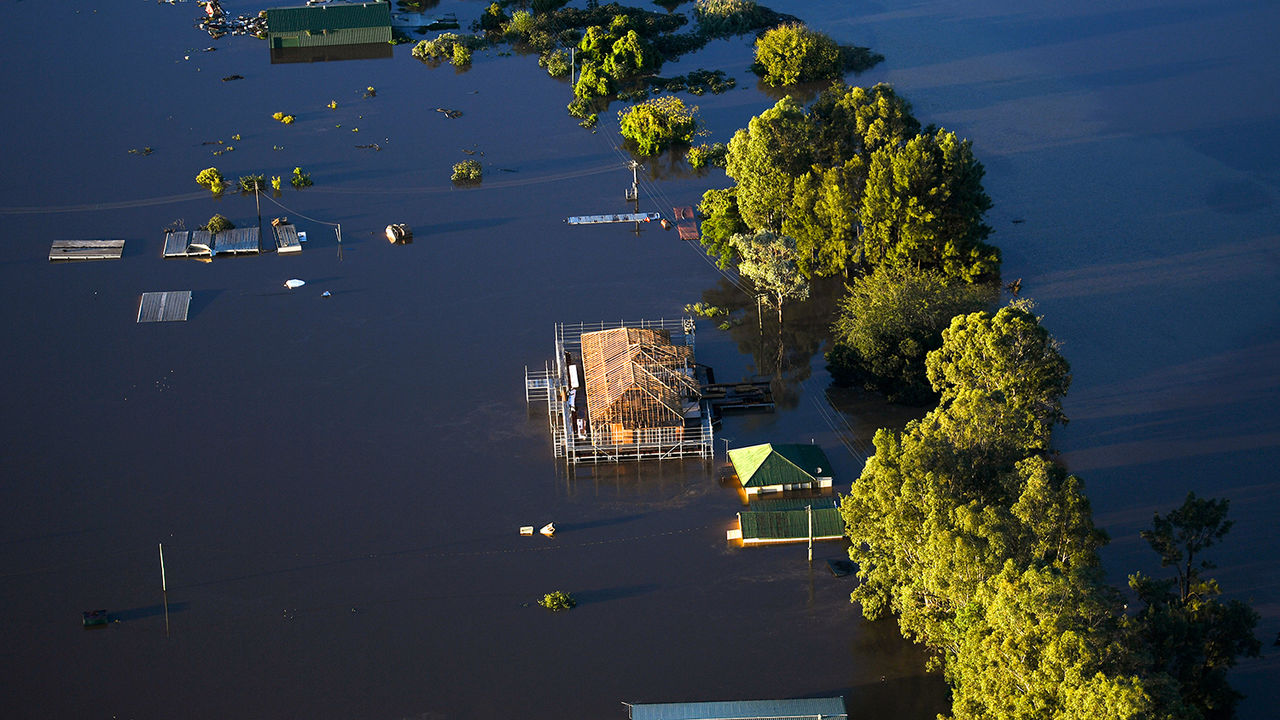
[
  {"x": 797, "y": 503},
  {"x": 336, "y": 16},
  {"x": 779, "y": 464},
  {"x": 790, "y": 524},
  {"x": 810, "y": 708}
]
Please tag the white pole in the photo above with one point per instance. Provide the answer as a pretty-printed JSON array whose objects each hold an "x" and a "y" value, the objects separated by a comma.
[
  {"x": 163, "y": 585},
  {"x": 809, "y": 512}
]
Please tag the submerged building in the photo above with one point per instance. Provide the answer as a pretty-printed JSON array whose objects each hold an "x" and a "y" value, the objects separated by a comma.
[
  {"x": 624, "y": 391},
  {"x": 775, "y": 467},
  {"x": 330, "y": 31}
]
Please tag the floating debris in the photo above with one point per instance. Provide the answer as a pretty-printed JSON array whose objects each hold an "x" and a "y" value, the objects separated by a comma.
[
  {"x": 370, "y": 146},
  {"x": 399, "y": 234},
  {"x": 451, "y": 114},
  {"x": 218, "y": 23},
  {"x": 141, "y": 151},
  {"x": 326, "y": 293},
  {"x": 549, "y": 529},
  {"x": 294, "y": 284},
  {"x": 229, "y": 78}
]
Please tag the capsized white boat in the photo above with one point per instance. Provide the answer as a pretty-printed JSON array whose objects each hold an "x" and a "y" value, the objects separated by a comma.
[{"x": 294, "y": 284}]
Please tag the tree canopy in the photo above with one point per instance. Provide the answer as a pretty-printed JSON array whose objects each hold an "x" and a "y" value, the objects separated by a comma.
[
  {"x": 792, "y": 53},
  {"x": 853, "y": 181},
  {"x": 889, "y": 320},
  {"x": 657, "y": 123},
  {"x": 984, "y": 546},
  {"x": 769, "y": 261}
]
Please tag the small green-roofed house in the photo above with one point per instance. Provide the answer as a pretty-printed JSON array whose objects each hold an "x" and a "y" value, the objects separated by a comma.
[
  {"x": 353, "y": 23},
  {"x": 783, "y": 526},
  {"x": 797, "y": 709},
  {"x": 775, "y": 467}
]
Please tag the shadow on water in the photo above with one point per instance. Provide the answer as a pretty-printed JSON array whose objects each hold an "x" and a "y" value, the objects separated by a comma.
[
  {"x": 201, "y": 299},
  {"x": 604, "y": 522},
  {"x": 621, "y": 592},
  {"x": 149, "y": 611}
]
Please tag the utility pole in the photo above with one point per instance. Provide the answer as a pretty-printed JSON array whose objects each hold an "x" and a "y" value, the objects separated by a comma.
[
  {"x": 338, "y": 231},
  {"x": 164, "y": 590},
  {"x": 809, "y": 511},
  {"x": 573, "y": 65}
]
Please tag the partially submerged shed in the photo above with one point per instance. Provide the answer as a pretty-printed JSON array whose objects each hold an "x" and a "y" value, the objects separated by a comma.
[
  {"x": 830, "y": 708},
  {"x": 756, "y": 527},
  {"x": 329, "y": 24},
  {"x": 775, "y": 467}
]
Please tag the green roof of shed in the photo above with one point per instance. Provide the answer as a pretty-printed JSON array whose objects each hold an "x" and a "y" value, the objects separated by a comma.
[
  {"x": 338, "y": 16},
  {"x": 779, "y": 464},
  {"x": 791, "y": 524}
]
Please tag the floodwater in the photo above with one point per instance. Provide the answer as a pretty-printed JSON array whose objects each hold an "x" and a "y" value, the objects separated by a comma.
[{"x": 338, "y": 481}]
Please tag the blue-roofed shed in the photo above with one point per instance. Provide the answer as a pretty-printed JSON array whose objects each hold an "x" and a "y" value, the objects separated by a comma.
[{"x": 801, "y": 709}]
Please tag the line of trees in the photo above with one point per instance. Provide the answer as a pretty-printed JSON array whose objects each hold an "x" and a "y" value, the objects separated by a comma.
[{"x": 965, "y": 527}]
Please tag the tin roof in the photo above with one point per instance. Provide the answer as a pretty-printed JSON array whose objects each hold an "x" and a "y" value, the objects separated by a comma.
[
  {"x": 807, "y": 708},
  {"x": 335, "y": 16},
  {"x": 791, "y": 524},
  {"x": 779, "y": 464}
]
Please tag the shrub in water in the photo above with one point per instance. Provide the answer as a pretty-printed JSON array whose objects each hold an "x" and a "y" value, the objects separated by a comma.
[
  {"x": 557, "y": 601},
  {"x": 218, "y": 223},
  {"x": 467, "y": 171}
]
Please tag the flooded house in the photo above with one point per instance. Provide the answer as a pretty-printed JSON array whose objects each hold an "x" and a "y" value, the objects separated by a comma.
[
  {"x": 624, "y": 392},
  {"x": 330, "y": 31},
  {"x": 777, "y": 467}
]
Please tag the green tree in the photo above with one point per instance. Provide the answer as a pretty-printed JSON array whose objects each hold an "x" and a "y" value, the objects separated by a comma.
[
  {"x": 790, "y": 54},
  {"x": 823, "y": 217},
  {"x": 1184, "y": 627},
  {"x": 657, "y": 123},
  {"x": 218, "y": 223},
  {"x": 629, "y": 55},
  {"x": 467, "y": 171},
  {"x": 765, "y": 158},
  {"x": 769, "y": 261},
  {"x": 856, "y": 122},
  {"x": 211, "y": 178},
  {"x": 889, "y": 320},
  {"x": 721, "y": 221},
  {"x": 1008, "y": 358},
  {"x": 923, "y": 206},
  {"x": 558, "y": 600}
]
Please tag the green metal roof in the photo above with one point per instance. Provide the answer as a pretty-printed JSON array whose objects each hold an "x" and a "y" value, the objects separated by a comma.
[
  {"x": 790, "y": 524},
  {"x": 779, "y": 464},
  {"x": 807, "y": 708},
  {"x": 319, "y": 19},
  {"x": 758, "y": 504}
]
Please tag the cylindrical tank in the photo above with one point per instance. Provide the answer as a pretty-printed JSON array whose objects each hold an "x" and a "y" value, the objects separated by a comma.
[{"x": 400, "y": 234}]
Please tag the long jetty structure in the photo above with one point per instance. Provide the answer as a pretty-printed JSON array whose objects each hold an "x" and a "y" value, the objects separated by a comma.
[
  {"x": 556, "y": 382},
  {"x": 613, "y": 218}
]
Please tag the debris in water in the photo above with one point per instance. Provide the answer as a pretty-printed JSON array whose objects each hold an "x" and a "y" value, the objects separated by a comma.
[
  {"x": 371, "y": 146},
  {"x": 294, "y": 284},
  {"x": 229, "y": 78},
  {"x": 549, "y": 529},
  {"x": 143, "y": 151},
  {"x": 451, "y": 114},
  {"x": 326, "y": 293}
]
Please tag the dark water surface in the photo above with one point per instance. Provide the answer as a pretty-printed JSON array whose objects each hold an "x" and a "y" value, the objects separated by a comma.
[{"x": 338, "y": 481}]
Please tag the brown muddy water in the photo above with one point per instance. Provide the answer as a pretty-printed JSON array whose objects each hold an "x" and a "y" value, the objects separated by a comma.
[{"x": 338, "y": 481}]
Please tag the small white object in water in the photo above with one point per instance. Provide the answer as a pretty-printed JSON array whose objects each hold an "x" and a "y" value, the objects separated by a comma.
[
  {"x": 294, "y": 283},
  {"x": 549, "y": 529},
  {"x": 326, "y": 293}
]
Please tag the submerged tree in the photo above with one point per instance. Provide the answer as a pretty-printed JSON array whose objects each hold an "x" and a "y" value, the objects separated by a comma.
[
  {"x": 1184, "y": 627},
  {"x": 889, "y": 321},
  {"x": 769, "y": 261},
  {"x": 793, "y": 53},
  {"x": 657, "y": 123}
]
